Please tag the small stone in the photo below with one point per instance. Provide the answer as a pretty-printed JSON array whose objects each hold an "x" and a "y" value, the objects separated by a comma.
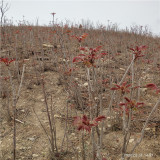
[
  {"x": 34, "y": 155},
  {"x": 96, "y": 98},
  {"x": 143, "y": 89},
  {"x": 47, "y": 45},
  {"x": 147, "y": 129},
  {"x": 42, "y": 100},
  {"x": 78, "y": 148},
  {"x": 85, "y": 84},
  {"x": 31, "y": 139},
  {"x": 122, "y": 69},
  {"x": 131, "y": 140},
  {"x": 104, "y": 129},
  {"x": 73, "y": 134},
  {"x": 23, "y": 148},
  {"x": 57, "y": 116}
]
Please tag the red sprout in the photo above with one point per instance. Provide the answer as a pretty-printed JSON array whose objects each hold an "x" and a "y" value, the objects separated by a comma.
[
  {"x": 123, "y": 88},
  {"x": 153, "y": 87},
  {"x": 137, "y": 51},
  {"x": 83, "y": 123},
  {"x": 6, "y": 61}
]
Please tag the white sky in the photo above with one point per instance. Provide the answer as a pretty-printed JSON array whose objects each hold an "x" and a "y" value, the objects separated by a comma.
[{"x": 123, "y": 12}]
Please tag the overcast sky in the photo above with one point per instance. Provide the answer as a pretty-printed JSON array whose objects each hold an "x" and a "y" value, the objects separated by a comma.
[{"x": 123, "y": 12}]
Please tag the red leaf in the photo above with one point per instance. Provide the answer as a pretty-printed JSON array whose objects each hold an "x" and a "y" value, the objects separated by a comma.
[
  {"x": 77, "y": 59},
  {"x": 85, "y": 118},
  {"x": 151, "y": 85},
  {"x": 104, "y": 53},
  {"x": 137, "y": 48},
  {"x": 128, "y": 85},
  {"x": 122, "y": 104},
  {"x": 117, "y": 85},
  {"x": 114, "y": 88},
  {"x": 154, "y": 87},
  {"x": 87, "y": 128},
  {"x": 98, "y": 48},
  {"x": 128, "y": 100},
  {"x": 77, "y": 120},
  {"x": 80, "y": 127},
  {"x": 82, "y": 48},
  {"x": 158, "y": 91},
  {"x": 140, "y": 103},
  {"x": 100, "y": 118},
  {"x": 94, "y": 123},
  {"x": 136, "y": 87},
  {"x": 6, "y": 61},
  {"x": 143, "y": 47},
  {"x": 132, "y": 49},
  {"x": 81, "y": 55}
]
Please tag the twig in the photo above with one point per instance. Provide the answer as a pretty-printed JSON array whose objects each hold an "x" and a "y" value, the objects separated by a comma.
[
  {"x": 19, "y": 121},
  {"x": 143, "y": 130}
]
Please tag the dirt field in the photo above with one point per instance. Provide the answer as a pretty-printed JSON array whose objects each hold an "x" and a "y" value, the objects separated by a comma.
[{"x": 50, "y": 64}]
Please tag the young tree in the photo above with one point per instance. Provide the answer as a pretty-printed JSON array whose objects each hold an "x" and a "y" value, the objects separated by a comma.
[{"x": 3, "y": 9}]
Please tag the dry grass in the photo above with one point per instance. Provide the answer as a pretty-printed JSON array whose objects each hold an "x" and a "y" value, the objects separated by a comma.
[{"x": 47, "y": 53}]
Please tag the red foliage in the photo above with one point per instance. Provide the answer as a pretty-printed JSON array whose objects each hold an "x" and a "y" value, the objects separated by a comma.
[
  {"x": 93, "y": 50},
  {"x": 85, "y": 49},
  {"x": 80, "y": 38},
  {"x": 17, "y": 32},
  {"x": 123, "y": 88},
  {"x": 68, "y": 73},
  {"x": 83, "y": 123},
  {"x": 138, "y": 51},
  {"x": 6, "y": 61},
  {"x": 29, "y": 28},
  {"x": 131, "y": 103},
  {"x": 4, "y": 78},
  {"x": 79, "y": 58},
  {"x": 100, "y": 118},
  {"x": 153, "y": 87},
  {"x": 68, "y": 32},
  {"x": 104, "y": 82},
  {"x": 103, "y": 53},
  {"x": 89, "y": 60}
]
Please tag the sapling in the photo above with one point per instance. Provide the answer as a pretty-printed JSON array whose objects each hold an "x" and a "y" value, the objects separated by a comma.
[{"x": 15, "y": 97}]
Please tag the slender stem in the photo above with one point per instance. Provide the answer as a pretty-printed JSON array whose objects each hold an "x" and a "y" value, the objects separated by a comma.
[
  {"x": 14, "y": 114},
  {"x": 49, "y": 118},
  {"x": 53, "y": 124},
  {"x": 42, "y": 126},
  {"x": 20, "y": 86},
  {"x": 83, "y": 147},
  {"x": 113, "y": 93},
  {"x": 66, "y": 127},
  {"x": 124, "y": 76},
  {"x": 143, "y": 129}
]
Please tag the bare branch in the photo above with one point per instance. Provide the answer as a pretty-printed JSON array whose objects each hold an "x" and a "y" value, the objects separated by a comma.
[{"x": 3, "y": 9}]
